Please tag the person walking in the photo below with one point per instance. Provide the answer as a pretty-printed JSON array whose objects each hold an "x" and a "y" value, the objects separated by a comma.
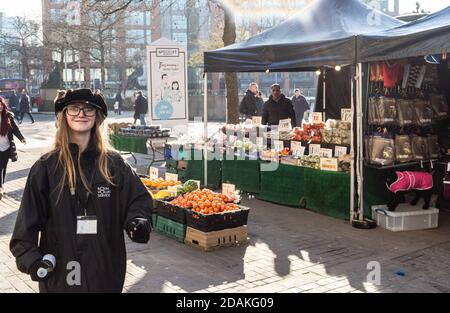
[
  {"x": 25, "y": 107},
  {"x": 14, "y": 104},
  {"x": 118, "y": 103},
  {"x": 8, "y": 129},
  {"x": 78, "y": 200},
  {"x": 277, "y": 108},
  {"x": 300, "y": 106},
  {"x": 140, "y": 107}
]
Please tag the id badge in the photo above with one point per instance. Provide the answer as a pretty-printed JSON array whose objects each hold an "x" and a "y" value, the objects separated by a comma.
[{"x": 86, "y": 225}]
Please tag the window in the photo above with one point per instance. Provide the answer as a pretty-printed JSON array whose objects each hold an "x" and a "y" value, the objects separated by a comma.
[
  {"x": 113, "y": 75},
  {"x": 148, "y": 36},
  {"x": 135, "y": 18},
  {"x": 56, "y": 56},
  {"x": 78, "y": 74},
  {"x": 133, "y": 53},
  {"x": 179, "y": 37},
  {"x": 67, "y": 75},
  {"x": 94, "y": 55},
  {"x": 56, "y": 15},
  {"x": 136, "y": 36},
  {"x": 179, "y": 22},
  {"x": 96, "y": 73},
  {"x": 148, "y": 18}
]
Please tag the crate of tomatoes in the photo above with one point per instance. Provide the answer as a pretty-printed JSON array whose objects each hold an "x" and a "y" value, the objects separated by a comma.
[{"x": 210, "y": 211}]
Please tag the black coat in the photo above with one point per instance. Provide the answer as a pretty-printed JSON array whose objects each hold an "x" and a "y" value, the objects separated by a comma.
[
  {"x": 24, "y": 104},
  {"x": 119, "y": 99},
  {"x": 273, "y": 111},
  {"x": 102, "y": 257},
  {"x": 259, "y": 106},
  {"x": 13, "y": 131},
  {"x": 141, "y": 105},
  {"x": 248, "y": 104},
  {"x": 14, "y": 102}
]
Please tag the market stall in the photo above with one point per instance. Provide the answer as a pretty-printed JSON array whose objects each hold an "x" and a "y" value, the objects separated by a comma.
[{"x": 323, "y": 38}]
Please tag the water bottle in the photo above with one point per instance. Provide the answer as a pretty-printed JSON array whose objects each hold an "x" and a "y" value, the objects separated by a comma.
[{"x": 47, "y": 265}]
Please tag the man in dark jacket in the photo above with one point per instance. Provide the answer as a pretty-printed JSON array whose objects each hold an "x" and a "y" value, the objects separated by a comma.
[
  {"x": 248, "y": 103},
  {"x": 14, "y": 103},
  {"x": 300, "y": 106},
  {"x": 141, "y": 107},
  {"x": 25, "y": 107},
  {"x": 277, "y": 108},
  {"x": 119, "y": 101}
]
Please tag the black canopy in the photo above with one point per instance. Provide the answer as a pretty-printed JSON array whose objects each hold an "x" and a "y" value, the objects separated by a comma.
[
  {"x": 428, "y": 35},
  {"x": 323, "y": 33}
]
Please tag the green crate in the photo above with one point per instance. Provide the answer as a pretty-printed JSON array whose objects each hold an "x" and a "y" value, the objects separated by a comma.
[
  {"x": 171, "y": 228},
  {"x": 154, "y": 220}
]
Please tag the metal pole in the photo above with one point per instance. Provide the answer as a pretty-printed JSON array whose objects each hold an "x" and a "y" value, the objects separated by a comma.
[
  {"x": 352, "y": 154},
  {"x": 360, "y": 144},
  {"x": 205, "y": 125},
  {"x": 324, "y": 93}
]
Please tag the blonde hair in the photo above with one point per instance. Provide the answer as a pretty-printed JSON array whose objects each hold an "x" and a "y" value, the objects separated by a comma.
[{"x": 67, "y": 163}]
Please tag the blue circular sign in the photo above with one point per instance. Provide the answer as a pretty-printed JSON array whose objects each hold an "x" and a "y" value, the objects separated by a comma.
[{"x": 164, "y": 110}]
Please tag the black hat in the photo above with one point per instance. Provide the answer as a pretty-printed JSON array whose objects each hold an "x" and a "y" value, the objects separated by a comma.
[{"x": 82, "y": 95}]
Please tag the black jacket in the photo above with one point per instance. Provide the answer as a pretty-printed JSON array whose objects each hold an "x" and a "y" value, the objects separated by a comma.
[
  {"x": 248, "y": 104},
  {"x": 13, "y": 131},
  {"x": 273, "y": 111},
  {"x": 300, "y": 107},
  {"x": 14, "y": 102},
  {"x": 141, "y": 105},
  {"x": 119, "y": 99},
  {"x": 102, "y": 257},
  {"x": 259, "y": 106}
]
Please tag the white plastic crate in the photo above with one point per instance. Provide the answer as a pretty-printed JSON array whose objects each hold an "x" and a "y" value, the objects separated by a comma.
[{"x": 405, "y": 217}]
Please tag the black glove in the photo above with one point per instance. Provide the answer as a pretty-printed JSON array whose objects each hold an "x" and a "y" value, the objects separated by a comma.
[
  {"x": 46, "y": 269},
  {"x": 138, "y": 229}
]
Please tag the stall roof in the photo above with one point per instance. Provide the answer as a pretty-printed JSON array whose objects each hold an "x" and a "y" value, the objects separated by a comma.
[
  {"x": 428, "y": 35},
  {"x": 323, "y": 33}
]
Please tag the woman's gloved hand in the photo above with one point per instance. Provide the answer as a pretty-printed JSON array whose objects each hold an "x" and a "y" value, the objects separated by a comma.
[
  {"x": 138, "y": 229},
  {"x": 41, "y": 270}
]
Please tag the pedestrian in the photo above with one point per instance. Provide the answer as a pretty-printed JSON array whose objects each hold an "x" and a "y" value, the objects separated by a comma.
[
  {"x": 118, "y": 103},
  {"x": 259, "y": 104},
  {"x": 247, "y": 106},
  {"x": 8, "y": 128},
  {"x": 25, "y": 107},
  {"x": 300, "y": 106},
  {"x": 78, "y": 200},
  {"x": 277, "y": 108},
  {"x": 140, "y": 108},
  {"x": 14, "y": 103}
]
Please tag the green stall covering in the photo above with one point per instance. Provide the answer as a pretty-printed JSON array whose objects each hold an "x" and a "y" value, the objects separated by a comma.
[
  {"x": 129, "y": 143},
  {"x": 324, "y": 192},
  {"x": 244, "y": 174}
]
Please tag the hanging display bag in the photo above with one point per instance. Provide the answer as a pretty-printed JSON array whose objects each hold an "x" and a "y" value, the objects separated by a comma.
[
  {"x": 405, "y": 109},
  {"x": 381, "y": 151},
  {"x": 387, "y": 111},
  {"x": 439, "y": 105},
  {"x": 424, "y": 112},
  {"x": 433, "y": 146},
  {"x": 419, "y": 147},
  {"x": 374, "y": 116},
  {"x": 403, "y": 150}
]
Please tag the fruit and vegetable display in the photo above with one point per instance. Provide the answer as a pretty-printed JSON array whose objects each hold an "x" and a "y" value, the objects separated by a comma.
[
  {"x": 159, "y": 183},
  {"x": 308, "y": 132},
  {"x": 337, "y": 132},
  {"x": 151, "y": 131},
  {"x": 162, "y": 194},
  {"x": 310, "y": 161},
  {"x": 188, "y": 186},
  {"x": 205, "y": 201}
]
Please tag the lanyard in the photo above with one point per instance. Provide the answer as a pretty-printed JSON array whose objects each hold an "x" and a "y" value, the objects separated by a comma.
[{"x": 75, "y": 199}]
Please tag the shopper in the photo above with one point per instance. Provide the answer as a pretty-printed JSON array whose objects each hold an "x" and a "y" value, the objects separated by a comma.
[
  {"x": 259, "y": 104},
  {"x": 248, "y": 104},
  {"x": 8, "y": 128},
  {"x": 277, "y": 108},
  {"x": 78, "y": 199},
  {"x": 25, "y": 107},
  {"x": 118, "y": 102},
  {"x": 140, "y": 107},
  {"x": 300, "y": 106},
  {"x": 14, "y": 104}
]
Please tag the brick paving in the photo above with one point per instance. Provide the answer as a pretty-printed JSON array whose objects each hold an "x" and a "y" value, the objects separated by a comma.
[{"x": 290, "y": 250}]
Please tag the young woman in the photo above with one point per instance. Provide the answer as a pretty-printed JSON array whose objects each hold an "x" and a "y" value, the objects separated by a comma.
[
  {"x": 8, "y": 128},
  {"x": 80, "y": 197}
]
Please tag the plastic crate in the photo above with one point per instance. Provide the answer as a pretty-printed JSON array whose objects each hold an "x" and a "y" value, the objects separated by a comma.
[
  {"x": 208, "y": 241},
  {"x": 173, "y": 212},
  {"x": 215, "y": 222},
  {"x": 154, "y": 220},
  {"x": 171, "y": 228},
  {"x": 405, "y": 217}
]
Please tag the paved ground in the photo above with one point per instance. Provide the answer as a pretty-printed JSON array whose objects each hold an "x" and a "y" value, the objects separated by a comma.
[{"x": 290, "y": 250}]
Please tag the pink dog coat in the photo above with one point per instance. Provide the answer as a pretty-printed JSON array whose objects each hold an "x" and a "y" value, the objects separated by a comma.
[{"x": 412, "y": 180}]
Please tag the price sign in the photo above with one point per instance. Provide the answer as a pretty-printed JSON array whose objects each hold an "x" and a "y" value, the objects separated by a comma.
[
  {"x": 278, "y": 145},
  {"x": 329, "y": 164},
  {"x": 284, "y": 125},
  {"x": 340, "y": 151},
  {"x": 154, "y": 172},
  {"x": 256, "y": 120},
  {"x": 314, "y": 149},
  {"x": 317, "y": 117},
  {"x": 173, "y": 190},
  {"x": 295, "y": 145},
  {"x": 229, "y": 190},
  {"x": 300, "y": 152},
  {"x": 326, "y": 153},
  {"x": 171, "y": 176},
  {"x": 346, "y": 115}
]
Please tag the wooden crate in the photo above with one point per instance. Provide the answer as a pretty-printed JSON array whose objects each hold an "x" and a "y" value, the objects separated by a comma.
[{"x": 212, "y": 240}]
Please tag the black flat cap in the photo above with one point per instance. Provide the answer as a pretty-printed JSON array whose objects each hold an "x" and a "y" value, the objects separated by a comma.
[{"x": 82, "y": 95}]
